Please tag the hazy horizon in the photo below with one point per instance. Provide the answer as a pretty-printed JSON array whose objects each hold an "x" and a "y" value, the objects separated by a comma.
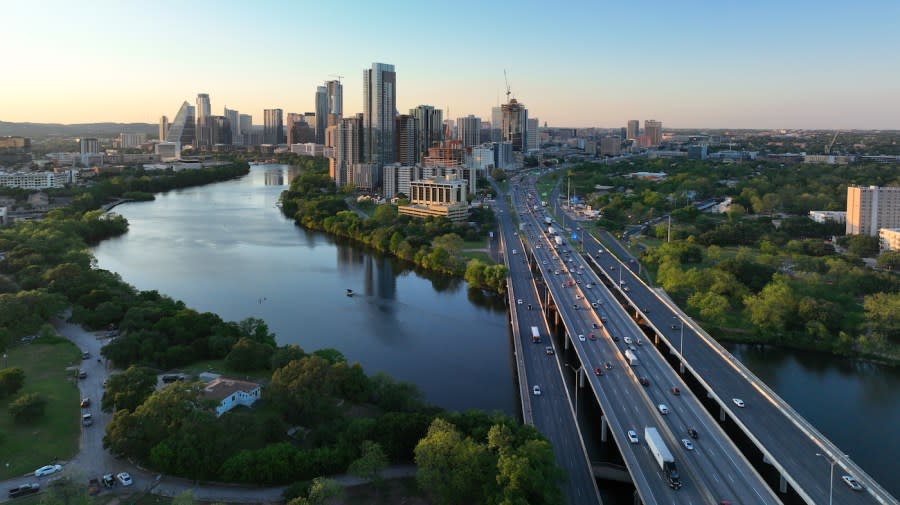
[{"x": 754, "y": 65}]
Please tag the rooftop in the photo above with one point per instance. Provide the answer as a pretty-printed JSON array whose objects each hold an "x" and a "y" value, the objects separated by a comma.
[{"x": 221, "y": 388}]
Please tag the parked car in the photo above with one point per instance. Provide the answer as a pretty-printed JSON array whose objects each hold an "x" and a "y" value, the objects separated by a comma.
[
  {"x": 85, "y": 403},
  {"x": 109, "y": 480},
  {"x": 47, "y": 470},
  {"x": 85, "y": 355},
  {"x": 124, "y": 479},
  {"x": 82, "y": 374},
  {"x": 24, "y": 489}
]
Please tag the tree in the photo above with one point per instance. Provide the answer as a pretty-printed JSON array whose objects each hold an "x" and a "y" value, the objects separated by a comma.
[
  {"x": 248, "y": 355},
  {"x": 498, "y": 174},
  {"x": 773, "y": 306},
  {"x": 66, "y": 491},
  {"x": 452, "y": 468},
  {"x": 883, "y": 314},
  {"x": 322, "y": 489},
  {"x": 371, "y": 462},
  {"x": 185, "y": 498},
  {"x": 303, "y": 389},
  {"x": 889, "y": 260},
  {"x": 450, "y": 242},
  {"x": 129, "y": 389},
  {"x": 284, "y": 355},
  {"x": 11, "y": 381},
  {"x": 28, "y": 408},
  {"x": 864, "y": 246}
]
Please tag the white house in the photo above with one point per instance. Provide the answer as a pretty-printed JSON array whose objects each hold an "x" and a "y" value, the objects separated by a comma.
[{"x": 231, "y": 393}]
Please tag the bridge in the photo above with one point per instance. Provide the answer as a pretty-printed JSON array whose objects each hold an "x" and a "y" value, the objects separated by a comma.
[{"x": 790, "y": 454}]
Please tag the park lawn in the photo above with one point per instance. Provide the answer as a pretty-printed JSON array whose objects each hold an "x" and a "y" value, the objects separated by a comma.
[
  {"x": 26, "y": 447},
  {"x": 478, "y": 255},
  {"x": 475, "y": 244}
]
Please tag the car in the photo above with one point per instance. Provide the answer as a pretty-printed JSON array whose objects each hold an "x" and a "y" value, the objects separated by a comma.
[
  {"x": 548, "y": 350},
  {"x": 632, "y": 348},
  {"x": 514, "y": 251},
  {"x": 47, "y": 470},
  {"x": 638, "y": 341},
  {"x": 595, "y": 326},
  {"x": 544, "y": 262},
  {"x": 673, "y": 326},
  {"x": 87, "y": 419},
  {"x": 603, "y": 319},
  {"x": 598, "y": 371},
  {"x": 612, "y": 267},
  {"x": 625, "y": 289},
  {"x": 738, "y": 402},
  {"x": 109, "y": 480},
  {"x": 82, "y": 374},
  {"x": 578, "y": 297},
  {"x": 853, "y": 483},
  {"x": 170, "y": 378},
  {"x": 589, "y": 285},
  {"x": 85, "y": 355},
  {"x": 536, "y": 390},
  {"x": 594, "y": 305},
  {"x": 608, "y": 365},
  {"x": 575, "y": 306},
  {"x": 599, "y": 251},
  {"x": 615, "y": 338},
  {"x": 24, "y": 489},
  {"x": 627, "y": 340},
  {"x": 676, "y": 391},
  {"x": 592, "y": 337},
  {"x": 644, "y": 381},
  {"x": 646, "y": 310},
  {"x": 663, "y": 409},
  {"x": 687, "y": 444},
  {"x": 124, "y": 479},
  {"x": 632, "y": 437},
  {"x": 85, "y": 403},
  {"x": 519, "y": 301},
  {"x": 693, "y": 433},
  {"x": 581, "y": 337}
]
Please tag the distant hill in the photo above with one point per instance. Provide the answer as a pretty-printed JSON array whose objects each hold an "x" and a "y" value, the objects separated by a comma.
[{"x": 40, "y": 130}]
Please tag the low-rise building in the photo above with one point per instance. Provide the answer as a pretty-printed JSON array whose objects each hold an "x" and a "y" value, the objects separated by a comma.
[
  {"x": 889, "y": 239},
  {"x": 36, "y": 180},
  {"x": 229, "y": 393},
  {"x": 438, "y": 196},
  {"x": 822, "y": 216}
]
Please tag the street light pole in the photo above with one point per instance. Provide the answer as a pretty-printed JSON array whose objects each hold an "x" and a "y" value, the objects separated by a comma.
[{"x": 830, "y": 477}]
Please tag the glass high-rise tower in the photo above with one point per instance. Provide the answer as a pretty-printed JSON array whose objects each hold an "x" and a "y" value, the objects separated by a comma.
[{"x": 379, "y": 111}]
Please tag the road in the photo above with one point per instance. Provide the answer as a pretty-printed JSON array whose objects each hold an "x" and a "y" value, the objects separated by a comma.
[
  {"x": 551, "y": 411},
  {"x": 715, "y": 469},
  {"x": 778, "y": 431}
]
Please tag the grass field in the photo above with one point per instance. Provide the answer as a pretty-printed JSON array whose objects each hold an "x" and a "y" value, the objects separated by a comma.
[
  {"x": 480, "y": 255},
  {"x": 26, "y": 447}
]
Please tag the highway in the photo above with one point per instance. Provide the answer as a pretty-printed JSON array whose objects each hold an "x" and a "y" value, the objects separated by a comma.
[
  {"x": 797, "y": 450},
  {"x": 714, "y": 470},
  {"x": 551, "y": 412}
]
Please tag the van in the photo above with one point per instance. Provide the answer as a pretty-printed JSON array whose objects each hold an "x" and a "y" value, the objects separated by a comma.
[{"x": 87, "y": 419}]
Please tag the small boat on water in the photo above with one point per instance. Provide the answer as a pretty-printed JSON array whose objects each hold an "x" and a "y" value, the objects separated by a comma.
[{"x": 349, "y": 292}]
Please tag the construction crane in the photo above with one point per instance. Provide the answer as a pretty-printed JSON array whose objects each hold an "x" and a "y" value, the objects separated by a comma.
[
  {"x": 831, "y": 144},
  {"x": 508, "y": 92},
  {"x": 339, "y": 77}
]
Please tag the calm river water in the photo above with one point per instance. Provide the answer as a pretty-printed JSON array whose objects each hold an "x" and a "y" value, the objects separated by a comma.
[{"x": 227, "y": 249}]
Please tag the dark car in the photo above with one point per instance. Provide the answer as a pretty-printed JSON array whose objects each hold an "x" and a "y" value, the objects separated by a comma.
[
  {"x": 85, "y": 403},
  {"x": 597, "y": 371},
  {"x": 693, "y": 433},
  {"x": 170, "y": 378},
  {"x": 608, "y": 365},
  {"x": 24, "y": 489},
  {"x": 644, "y": 381},
  {"x": 595, "y": 325},
  {"x": 676, "y": 391},
  {"x": 82, "y": 374}
]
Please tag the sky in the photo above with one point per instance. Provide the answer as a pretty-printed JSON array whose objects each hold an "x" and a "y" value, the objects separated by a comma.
[{"x": 691, "y": 64}]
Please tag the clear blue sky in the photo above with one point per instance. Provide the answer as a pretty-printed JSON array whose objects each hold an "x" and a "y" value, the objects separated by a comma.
[{"x": 689, "y": 63}]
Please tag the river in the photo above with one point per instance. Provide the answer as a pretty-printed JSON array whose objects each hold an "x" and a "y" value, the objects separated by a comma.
[{"x": 227, "y": 249}]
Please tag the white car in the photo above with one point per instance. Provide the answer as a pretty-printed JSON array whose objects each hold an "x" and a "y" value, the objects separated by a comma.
[
  {"x": 581, "y": 337},
  {"x": 853, "y": 483},
  {"x": 536, "y": 390},
  {"x": 519, "y": 301},
  {"x": 627, "y": 340},
  {"x": 663, "y": 409},
  {"x": 738, "y": 402},
  {"x": 632, "y": 437},
  {"x": 687, "y": 444},
  {"x": 47, "y": 470},
  {"x": 124, "y": 479}
]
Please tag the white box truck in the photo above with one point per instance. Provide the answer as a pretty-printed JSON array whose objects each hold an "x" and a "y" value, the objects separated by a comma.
[
  {"x": 632, "y": 359},
  {"x": 535, "y": 335},
  {"x": 662, "y": 456}
]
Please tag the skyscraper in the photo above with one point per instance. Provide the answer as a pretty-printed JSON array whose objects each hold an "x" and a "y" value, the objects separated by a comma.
[
  {"x": 632, "y": 130},
  {"x": 468, "y": 130},
  {"x": 89, "y": 145},
  {"x": 204, "y": 125},
  {"x": 515, "y": 125},
  {"x": 532, "y": 137},
  {"x": 653, "y": 130},
  {"x": 273, "y": 126},
  {"x": 348, "y": 149},
  {"x": 429, "y": 126},
  {"x": 321, "y": 113},
  {"x": 407, "y": 140},
  {"x": 335, "y": 95},
  {"x": 220, "y": 128},
  {"x": 379, "y": 110},
  {"x": 183, "y": 130},
  {"x": 245, "y": 129},
  {"x": 496, "y": 124},
  {"x": 234, "y": 123},
  {"x": 163, "y": 128}
]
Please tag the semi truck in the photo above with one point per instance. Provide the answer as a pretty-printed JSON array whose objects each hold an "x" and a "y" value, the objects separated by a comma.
[
  {"x": 558, "y": 240},
  {"x": 547, "y": 220},
  {"x": 632, "y": 359},
  {"x": 535, "y": 335},
  {"x": 662, "y": 456},
  {"x": 550, "y": 230}
]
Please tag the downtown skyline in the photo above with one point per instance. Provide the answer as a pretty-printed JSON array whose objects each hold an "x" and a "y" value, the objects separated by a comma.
[{"x": 764, "y": 65}]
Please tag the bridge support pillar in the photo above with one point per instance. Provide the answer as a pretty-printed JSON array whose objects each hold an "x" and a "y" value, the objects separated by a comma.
[
  {"x": 782, "y": 483},
  {"x": 722, "y": 415},
  {"x": 681, "y": 367},
  {"x": 566, "y": 341},
  {"x": 637, "y": 498},
  {"x": 604, "y": 429}
]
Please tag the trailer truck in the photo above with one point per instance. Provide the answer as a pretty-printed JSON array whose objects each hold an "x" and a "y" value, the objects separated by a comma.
[
  {"x": 558, "y": 240},
  {"x": 662, "y": 456},
  {"x": 535, "y": 335}
]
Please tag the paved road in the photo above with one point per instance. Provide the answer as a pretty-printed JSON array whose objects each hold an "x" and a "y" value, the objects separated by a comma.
[
  {"x": 715, "y": 469},
  {"x": 792, "y": 443}
]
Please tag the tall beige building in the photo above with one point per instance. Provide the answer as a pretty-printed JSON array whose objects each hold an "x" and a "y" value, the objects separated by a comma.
[
  {"x": 653, "y": 130},
  {"x": 872, "y": 208}
]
